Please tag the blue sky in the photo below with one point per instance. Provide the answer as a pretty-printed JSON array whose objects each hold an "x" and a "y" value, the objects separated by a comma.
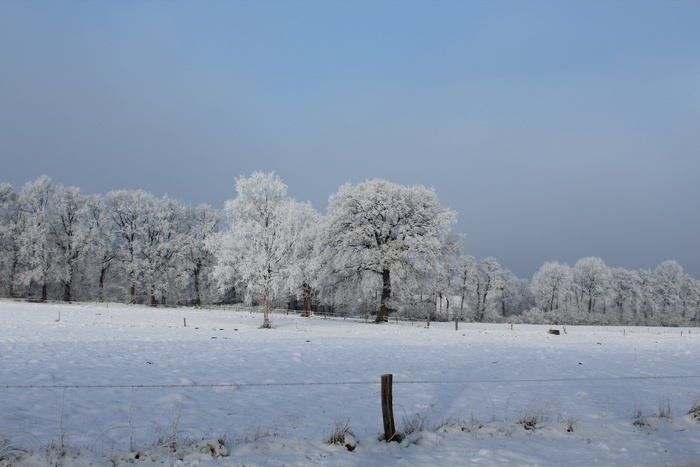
[{"x": 555, "y": 130}]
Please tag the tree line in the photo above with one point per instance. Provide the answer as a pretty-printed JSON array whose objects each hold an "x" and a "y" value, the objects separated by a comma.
[{"x": 381, "y": 250}]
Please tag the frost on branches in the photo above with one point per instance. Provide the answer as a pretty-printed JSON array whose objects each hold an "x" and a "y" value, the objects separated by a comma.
[
  {"x": 380, "y": 228},
  {"x": 263, "y": 247}
]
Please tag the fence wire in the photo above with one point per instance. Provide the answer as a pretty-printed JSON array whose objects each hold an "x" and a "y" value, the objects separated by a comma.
[{"x": 336, "y": 383}]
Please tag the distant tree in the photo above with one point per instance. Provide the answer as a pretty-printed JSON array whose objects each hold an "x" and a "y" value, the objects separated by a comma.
[
  {"x": 550, "y": 285},
  {"x": 303, "y": 224},
  {"x": 590, "y": 278},
  {"x": 129, "y": 210},
  {"x": 72, "y": 231},
  {"x": 259, "y": 247},
  {"x": 691, "y": 299},
  {"x": 163, "y": 231},
  {"x": 202, "y": 223},
  {"x": 647, "y": 308},
  {"x": 625, "y": 295},
  {"x": 467, "y": 270},
  {"x": 377, "y": 227},
  {"x": 37, "y": 247},
  {"x": 103, "y": 250},
  {"x": 515, "y": 294},
  {"x": 488, "y": 281},
  {"x": 667, "y": 287},
  {"x": 428, "y": 290},
  {"x": 11, "y": 227},
  {"x": 445, "y": 274}
]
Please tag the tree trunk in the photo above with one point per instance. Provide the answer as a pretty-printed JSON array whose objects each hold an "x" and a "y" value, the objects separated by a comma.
[
  {"x": 132, "y": 271},
  {"x": 306, "y": 294},
  {"x": 69, "y": 284},
  {"x": 103, "y": 277},
  {"x": 44, "y": 292},
  {"x": 66, "y": 292},
  {"x": 13, "y": 271},
  {"x": 383, "y": 315},
  {"x": 266, "y": 315},
  {"x": 478, "y": 316},
  {"x": 197, "y": 295},
  {"x": 551, "y": 301}
]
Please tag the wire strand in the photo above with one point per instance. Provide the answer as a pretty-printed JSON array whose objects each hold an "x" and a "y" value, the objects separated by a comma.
[{"x": 338, "y": 383}]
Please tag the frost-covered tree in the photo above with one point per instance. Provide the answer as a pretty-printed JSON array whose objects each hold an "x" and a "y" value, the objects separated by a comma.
[
  {"x": 302, "y": 232},
  {"x": 129, "y": 210},
  {"x": 624, "y": 294},
  {"x": 489, "y": 287},
  {"x": 259, "y": 247},
  {"x": 11, "y": 226},
  {"x": 163, "y": 228},
  {"x": 103, "y": 250},
  {"x": 378, "y": 228},
  {"x": 550, "y": 285},
  {"x": 37, "y": 248},
  {"x": 72, "y": 231},
  {"x": 429, "y": 290},
  {"x": 467, "y": 267},
  {"x": 590, "y": 278},
  {"x": 202, "y": 223},
  {"x": 647, "y": 307},
  {"x": 691, "y": 299},
  {"x": 667, "y": 287},
  {"x": 516, "y": 296},
  {"x": 444, "y": 273}
]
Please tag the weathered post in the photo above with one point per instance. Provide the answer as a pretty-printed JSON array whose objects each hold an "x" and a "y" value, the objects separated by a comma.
[{"x": 388, "y": 407}]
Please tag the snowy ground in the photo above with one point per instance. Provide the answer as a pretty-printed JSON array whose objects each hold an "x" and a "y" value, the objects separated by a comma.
[{"x": 227, "y": 400}]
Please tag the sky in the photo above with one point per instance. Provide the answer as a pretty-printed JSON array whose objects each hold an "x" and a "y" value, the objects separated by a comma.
[{"x": 556, "y": 130}]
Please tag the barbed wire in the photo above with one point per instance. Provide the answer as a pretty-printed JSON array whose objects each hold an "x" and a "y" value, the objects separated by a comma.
[{"x": 336, "y": 383}]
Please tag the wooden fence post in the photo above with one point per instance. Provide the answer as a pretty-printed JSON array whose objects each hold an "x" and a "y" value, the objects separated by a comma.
[{"x": 388, "y": 407}]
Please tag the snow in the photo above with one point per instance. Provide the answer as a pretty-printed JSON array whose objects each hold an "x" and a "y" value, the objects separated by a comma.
[{"x": 221, "y": 391}]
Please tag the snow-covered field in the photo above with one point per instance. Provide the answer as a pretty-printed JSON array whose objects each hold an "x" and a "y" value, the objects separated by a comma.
[{"x": 220, "y": 391}]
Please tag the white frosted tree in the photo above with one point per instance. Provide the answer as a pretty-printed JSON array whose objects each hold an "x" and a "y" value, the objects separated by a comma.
[
  {"x": 72, "y": 231},
  {"x": 163, "y": 229},
  {"x": 550, "y": 285},
  {"x": 11, "y": 226},
  {"x": 516, "y": 296},
  {"x": 667, "y": 287},
  {"x": 467, "y": 267},
  {"x": 443, "y": 273},
  {"x": 129, "y": 210},
  {"x": 489, "y": 288},
  {"x": 258, "y": 249},
  {"x": 302, "y": 229},
  {"x": 102, "y": 251},
  {"x": 379, "y": 228},
  {"x": 690, "y": 297},
  {"x": 201, "y": 223},
  {"x": 37, "y": 249},
  {"x": 625, "y": 295},
  {"x": 590, "y": 278}
]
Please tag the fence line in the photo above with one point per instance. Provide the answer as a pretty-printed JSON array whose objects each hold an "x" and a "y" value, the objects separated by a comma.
[{"x": 338, "y": 383}]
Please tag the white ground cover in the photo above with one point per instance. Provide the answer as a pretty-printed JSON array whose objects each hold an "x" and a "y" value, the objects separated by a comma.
[{"x": 221, "y": 391}]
